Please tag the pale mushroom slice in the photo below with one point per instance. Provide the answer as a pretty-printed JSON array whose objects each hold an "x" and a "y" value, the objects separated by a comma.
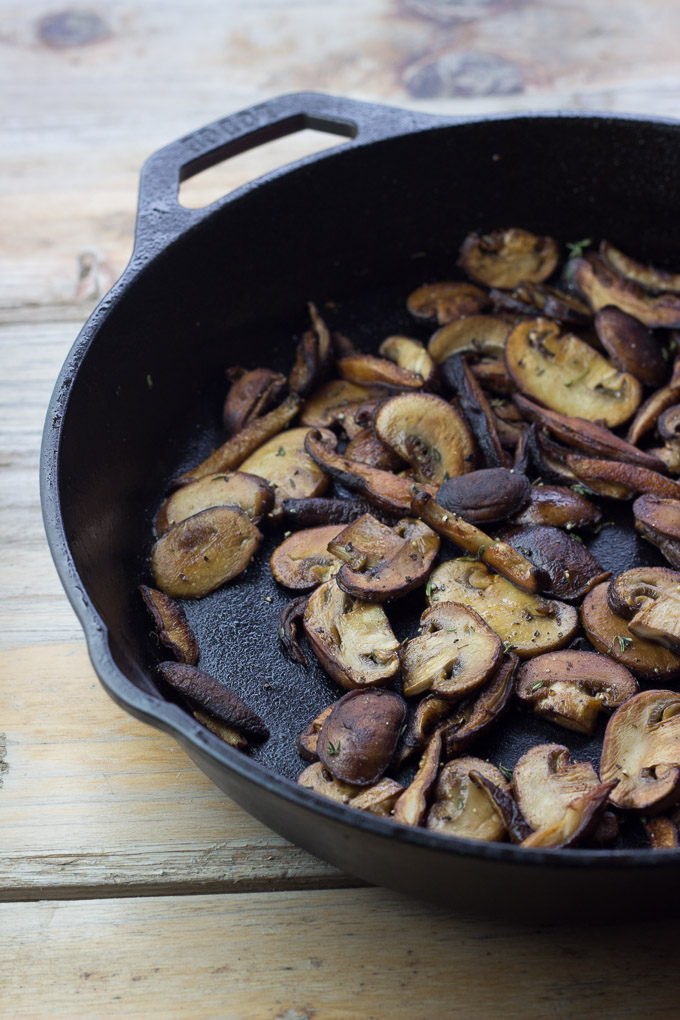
[
  {"x": 284, "y": 463},
  {"x": 250, "y": 395},
  {"x": 560, "y": 507},
  {"x": 252, "y": 494},
  {"x": 572, "y": 687},
  {"x": 611, "y": 634},
  {"x": 601, "y": 286},
  {"x": 379, "y": 799},
  {"x": 171, "y": 625},
  {"x": 649, "y": 598},
  {"x": 647, "y": 276},
  {"x": 484, "y": 335},
  {"x": 381, "y": 563},
  {"x": 571, "y": 567},
  {"x": 336, "y": 400},
  {"x": 455, "y": 653},
  {"x": 302, "y": 562},
  {"x": 562, "y": 800},
  {"x": 359, "y": 735},
  {"x": 631, "y": 346},
  {"x": 567, "y": 375},
  {"x": 663, "y": 831},
  {"x": 460, "y": 808},
  {"x": 368, "y": 370},
  {"x": 658, "y": 520},
  {"x": 428, "y": 433},
  {"x": 318, "y": 779},
  {"x": 526, "y": 624},
  {"x": 447, "y": 301},
  {"x": 203, "y": 552},
  {"x": 352, "y": 639},
  {"x": 228, "y": 734},
  {"x": 642, "y": 750},
  {"x": 506, "y": 258},
  {"x": 207, "y": 694},
  {"x": 411, "y": 806},
  {"x": 487, "y": 495},
  {"x": 411, "y": 355}
]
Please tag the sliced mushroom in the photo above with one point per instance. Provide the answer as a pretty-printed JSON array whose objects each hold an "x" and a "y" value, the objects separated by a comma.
[
  {"x": 411, "y": 806},
  {"x": 318, "y": 779},
  {"x": 571, "y": 688},
  {"x": 502, "y": 802},
  {"x": 203, "y": 692},
  {"x": 499, "y": 555},
  {"x": 534, "y": 299},
  {"x": 428, "y": 434},
  {"x": 476, "y": 714},
  {"x": 477, "y": 334},
  {"x": 382, "y": 563},
  {"x": 250, "y": 395},
  {"x": 460, "y": 808},
  {"x": 647, "y": 276},
  {"x": 288, "y": 627},
  {"x": 359, "y": 736},
  {"x": 526, "y": 624},
  {"x": 366, "y": 448},
  {"x": 492, "y": 374},
  {"x": 476, "y": 408},
  {"x": 368, "y": 370},
  {"x": 560, "y": 507},
  {"x": 253, "y": 495},
  {"x": 410, "y": 355},
  {"x": 506, "y": 258},
  {"x": 171, "y": 625},
  {"x": 642, "y": 750},
  {"x": 313, "y": 358},
  {"x": 649, "y": 598},
  {"x": 631, "y": 479},
  {"x": 668, "y": 426},
  {"x": 379, "y": 799},
  {"x": 601, "y": 286},
  {"x": 446, "y": 301},
  {"x": 663, "y": 831},
  {"x": 352, "y": 639},
  {"x": 491, "y": 494},
  {"x": 302, "y": 561},
  {"x": 335, "y": 400},
  {"x": 319, "y": 510},
  {"x": 307, "y": 740},
  {"x": 611, "y": 634},
  {"x": 572, "y": 569},
  {"x": 658, "y": 520},
  {"x": 631, "y": 346},
  {"x": 650, "y": 412},
  {"x": 235, "y": 451},
  {"x": 284, "y": 463},
  {"x": 203, "y": 552},
  {"x": 456, "y": 652},
  {"x": 228, "y": 734},
  {"x": 567, "y": 375}
]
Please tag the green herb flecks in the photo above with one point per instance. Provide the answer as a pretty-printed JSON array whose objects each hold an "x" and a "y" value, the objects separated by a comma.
[
  {"x": 333, "y": 749},
  {"x": 624, "y": 642},
  {"x": 577, "y": 378},
  {"x": 576, "y": 248}
]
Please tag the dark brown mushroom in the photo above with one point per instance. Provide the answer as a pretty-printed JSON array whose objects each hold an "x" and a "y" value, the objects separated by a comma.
[
  {"x": 641, "y": 750},
  {"x": 502, "y": 802},
  {"x": 366, "y": 448},
  {"x": 284, "y": 463},
  {"x": 307, "y": 740},
  {"x": 446, "y": 301},
  {"x": 476, "y": 408},
  {"x": 601, "y": 286},
  {"x": 171, "y": 625},
  {"x": 313, "y": 358},
  {"x": 649, "y": 598},
  {"x": 571, "y": 568},
  {"x": 250, "y": 396},
  {"x": 492, "y": 374},
  {"x": 460, "y": 808},
  {"x": 428, "y": 433},
  {"x": 647, "y": 276},
  {"x": 663, "y": 831},
  {"x": 506, "y": 258},
  {"x": 534, "y": 299},
  {"x": 320, "y": 510},
  {"x": 478, "y": 334},
  {"x": 658, "y": 520},
  {"x": 252, "y": 494},
  {"x": 302, "y": 562},
  {"x": 491, "y": 494},
  {"x": 411, "y": 806},
  {"x": 649, "y": 413},
  {"x": 289, "y": 616},
  {"x": 336, "y": 401},
  {"x": 560, "y": 507},
  {"x": 631, "y": 346},
  {"x": 204, "y": 692},
  {"x": 571, "y": 687},
  {"x": 476, "y": 714},
  {"x": 359, "y": 735},
  {"x": 631, "y": 479}
]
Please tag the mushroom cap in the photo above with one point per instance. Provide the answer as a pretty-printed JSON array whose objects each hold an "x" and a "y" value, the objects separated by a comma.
[
  {"x": 460, "y": 808},
  {"x": 359, "y": 735},
  {"x": 506, "y": 258}
]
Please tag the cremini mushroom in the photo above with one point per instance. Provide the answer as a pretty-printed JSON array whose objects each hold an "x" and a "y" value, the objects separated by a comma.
[
  {"x": 476, "y": 714},
  {"x": 571, "y": 567},
  {"x": 252, "y": 494},
  {"x": 641, "y": 750},
  {"x": 308, "y": 738},
  {"x": 649, "y": 413},
  {"x": 313, "y": 357},
  {"x": 601, "y": 286},
  {"x": 252, "y": 394},
  {"x": 484, "y": 335},
  {"x": 171, "y": 625},
  {"x": 336, "y": 401},
  {"x": 446, "y": 301},
  {"x": 455, "y": 653},
  {"x": 460, "y": 808},
  {"x": 359, "y": 735},
  {"x": 228, "y": 734},
  {"x": 647, "y": 276},
  {"x": 289, "y": 617},
  {"x": 649, "y": 598},
  {"x": 284, "y": 463},
  {"x": 567, "y": 375},
  {"x": 526, "y": 624},
  {"x": 411, "y": 805},
  {"x": 366, "y": 448},
  {"x": 534, "y": 299},
  {"x": 631, "y": 346},
  {"x": 203, "y": 552},
  {"x": 311, "y": 511},
  {"x": 302, "y": 562},
  {"x": 378, "y": 799},
  {"x": 607, "y": 476},
  {"x": 369, "y": 370},
  {"x": 411, "y": 355},
  {"x": 352, "y": 639},
  {"x": 560, "y": 507},
  {"x": 658, "y": 520},
  {"x": 205, "y": 693},
  {"x": 663, "y": 831},
  {"x": 476, "y": 408},
  {"x": 484, "y": 496},
  {"x": 506, "y": 258},
  {"x": 572, "y": 687}
]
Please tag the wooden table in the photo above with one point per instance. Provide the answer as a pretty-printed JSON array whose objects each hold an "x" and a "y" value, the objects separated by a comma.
[{"x": 130, "y": 886}]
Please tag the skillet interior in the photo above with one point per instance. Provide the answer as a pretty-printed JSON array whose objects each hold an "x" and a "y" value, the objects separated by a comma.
[{"x": 360, "y": 228}]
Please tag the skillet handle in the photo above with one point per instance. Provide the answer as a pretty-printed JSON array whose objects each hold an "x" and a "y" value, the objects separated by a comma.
[{"x": 160, "y": 217}]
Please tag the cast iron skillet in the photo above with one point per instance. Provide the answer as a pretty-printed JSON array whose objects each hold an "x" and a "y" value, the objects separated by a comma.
[{"x": 140, "y": 396}]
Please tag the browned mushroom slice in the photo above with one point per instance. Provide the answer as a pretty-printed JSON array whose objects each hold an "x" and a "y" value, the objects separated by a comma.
[
  {"x": 642, "y": 750},
  {"x": 650, "y": 412},
  {"x": 368, "y": 449},
  {"x": 658, "y": 520},
  {"x": 288, "y": 627},
  {"x": 307, "y": 740},
  {"x": 250, "y": 396},
  {"x": 428, "y": 434},
  {"x": 476, "y": 714},
  {"x": 477, "y": 334},
  {"x": 171, "y": 625},
  {"x": 359, "y": 735},
  {"x": 335, "y": 399},
  {"x": 368, "y": 370},
  {"x": 571, "y": 688},
  {"x": 302, "y": 561},
  {"x": 663, "y": 831},
  {"x": 567, "y": 375},
  {"x": 383, "y": 563},
  {"x": 502, "y": 801},
  {"x": 314, "y": 356},
  {"x": 611, "y": 634},
  {"x": 631, "y": 346},
  {"x": 203, "y": 552},
  {"x": 561, "y": 800},
  {"x": 476, "y": 409},
  {"x": 492, "y": 494},
  {"x": 410, "y": 807},
  {"x": 319, "y": 510},
  {"x": 499, "y": 555},
  {"x": 235, "y": 451},
  {"x": 539, "y": 299},
  {"x": 227, "y": 733},
  {"x": 630, "y": 478},
  {"x": 601, "y": 286},
  {"x": 572, "y": 569},
  {"x": 285, "y": 464},
  {"x": 352, "y": 639},
  {"x": 669, "y": 429},
  {"x": 318, "y": 779},
  {"x": 380, "y": 798},
  {"x": 526, "y": 624},
  {"x": 446, "y": 301},
  {"x": 560, "y": 507},
  {"x": 506, "y": 258},
  {"x": 205, "y": 693},
  {"x": 388, "y": 492},
  {"x": 460, "y": 808},
  {"x": 456, "y": 652},
  {"x": 649, "y": 598},
  {"x": 430, "y": 711},
  {"x": 410, "y": 355},
  {"x": 586, "y": 435},
  {"x": 647, "y": 276},
  {"x": 493, "y": 376},
  {"x": 248, "y": 492}
]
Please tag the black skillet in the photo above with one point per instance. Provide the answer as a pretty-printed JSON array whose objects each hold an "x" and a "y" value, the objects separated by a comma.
[{"x": 141, "y": 392}]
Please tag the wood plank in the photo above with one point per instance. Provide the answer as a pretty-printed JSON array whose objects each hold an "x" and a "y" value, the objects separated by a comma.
[
  {"x": 337, "y": 955},
  {"x": 95, "y": 803}
]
